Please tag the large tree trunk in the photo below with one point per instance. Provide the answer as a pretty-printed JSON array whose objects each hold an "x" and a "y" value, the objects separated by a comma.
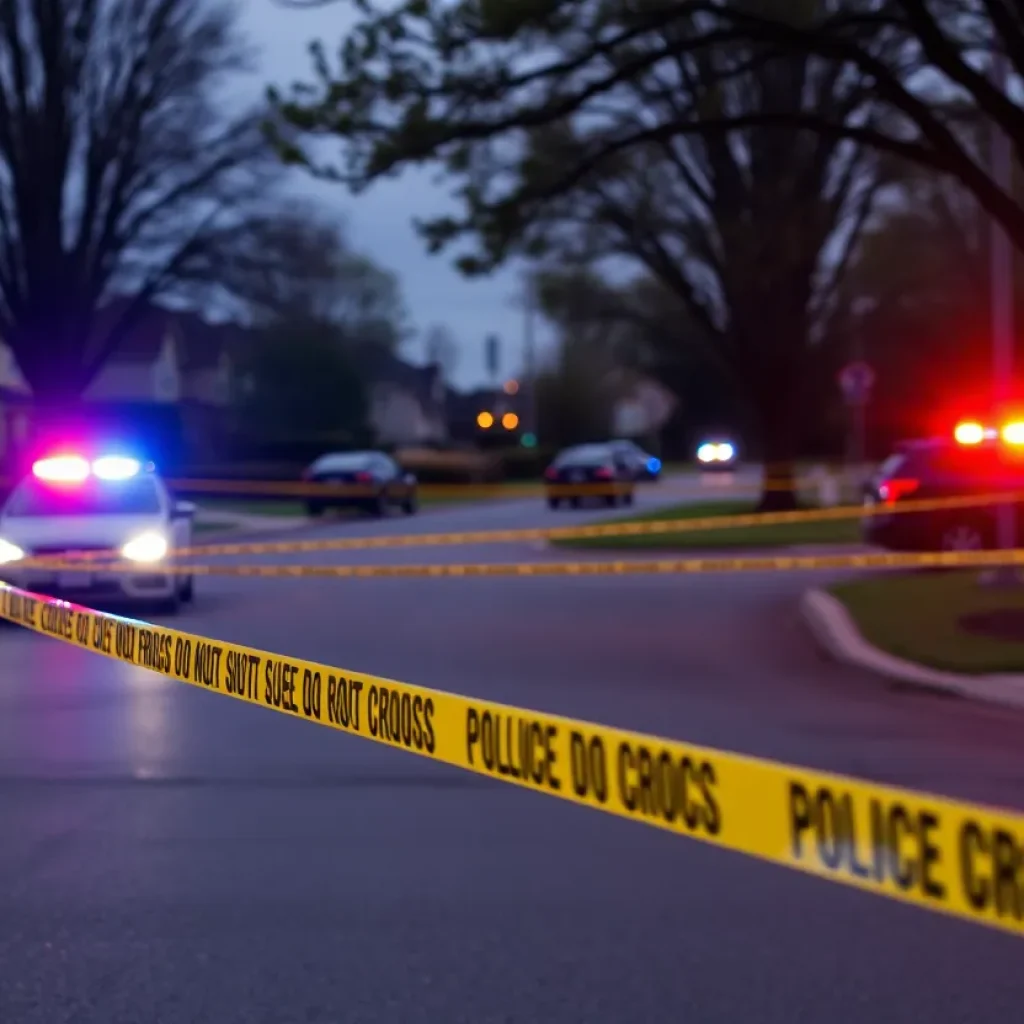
[
  {"x": 779, "y": 490},
  {"x": 775, "y": 393}
]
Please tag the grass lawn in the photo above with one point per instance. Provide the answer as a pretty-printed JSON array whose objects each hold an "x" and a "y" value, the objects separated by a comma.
[
  {"x": 239, "y": 506},
  {"x": 843, "y": 531},
  {"x": 286, "y": 507},
  {"x": 926, "y": 617}
]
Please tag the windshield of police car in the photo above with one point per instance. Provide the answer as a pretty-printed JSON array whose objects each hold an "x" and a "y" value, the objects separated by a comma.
[{"x": 37, "y": 498}]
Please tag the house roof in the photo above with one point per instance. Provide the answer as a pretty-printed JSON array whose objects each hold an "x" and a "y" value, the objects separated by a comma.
[
  {"x": 201, "y": 344},
  {"x": 384, "y": 367}
]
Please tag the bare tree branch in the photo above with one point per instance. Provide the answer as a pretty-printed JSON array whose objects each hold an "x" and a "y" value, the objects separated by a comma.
[{"x": 117, "y": 166}]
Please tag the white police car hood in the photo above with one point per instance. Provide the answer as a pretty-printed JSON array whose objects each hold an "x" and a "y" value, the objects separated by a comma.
[{"x": 73, "y": 532}]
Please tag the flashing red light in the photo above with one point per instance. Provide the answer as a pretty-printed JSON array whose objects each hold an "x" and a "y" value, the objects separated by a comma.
[
  {"x": 603, "y": 473},
  {"x": 892, "y": 490},
  {"x": 363, "y": 477},
  {"x": 65, "y": 469},
  {"x": 1013, "y": 433},
  {"x": 969, "y": 432}
]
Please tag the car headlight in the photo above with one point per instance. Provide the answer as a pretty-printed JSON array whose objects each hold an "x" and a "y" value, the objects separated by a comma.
[
  {"x": 10, "y": 552},
  {"x": 147, "y": 547},
  {"x": 707, "y": 452},
  {"x": 726, "y": 452}
]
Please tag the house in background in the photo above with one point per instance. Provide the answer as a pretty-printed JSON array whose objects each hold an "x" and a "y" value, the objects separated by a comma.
[
  {"x": 15, "y": 405},
  {"x": 407, "y": 403},
  {"x": 167, "y": 386},
  {"x": 642, "y": 406}
]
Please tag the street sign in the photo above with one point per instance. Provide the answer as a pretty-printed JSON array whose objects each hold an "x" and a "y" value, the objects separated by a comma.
[
  {"x": 491, "y": 353},
  {"x": 856, "y": 380}
]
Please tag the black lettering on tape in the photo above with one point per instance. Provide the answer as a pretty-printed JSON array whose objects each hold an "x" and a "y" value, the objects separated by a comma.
[
  {"x": 901, "y": 843},
  {"x": 589, "y": 763},
  {"x": 206, "y": 664},
  {"x": 103, "y": 635},
  {"x": 241, "y": 675},
  {"x": 311, "y": 693},
  {"x": 343, "y": 697},
  {"x": 675, "y": 788},
  {"x": 401, "y": 718},
  {"x": 57, "y": 620},
  {"x": 183, "y": 657},
  {"x": 82, "y": 629},
  {"x": 23, "y": 610},
  {"x": 279, "y": 679},
  {"x": 155, "y": 651},
  {"x": 124, "y": 641},
  {"x": 992, "y": 870},
  {"x": 514, "y": 747}
]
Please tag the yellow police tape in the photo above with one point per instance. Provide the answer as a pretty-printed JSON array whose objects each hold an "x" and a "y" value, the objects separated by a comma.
[
  {"x": 595, "y": 567},
  {"x": 508, "y": 489},
  {"x": 640, "y": 528},
  {"x": 941, "y": 855}
]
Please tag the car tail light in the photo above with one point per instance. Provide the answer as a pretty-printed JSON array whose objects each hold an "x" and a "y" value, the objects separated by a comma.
[
  {"x": 363, "y": 477},
  {"x": 603, "y": 473},
  {"x": 900, "y": 487},
  {"x": 551, "y": 473}
]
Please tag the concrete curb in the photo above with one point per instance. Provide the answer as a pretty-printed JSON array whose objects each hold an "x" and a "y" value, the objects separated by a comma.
[{"x": 837, "y": 634}]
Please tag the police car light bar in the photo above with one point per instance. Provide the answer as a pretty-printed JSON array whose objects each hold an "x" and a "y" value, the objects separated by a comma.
[
  {"x": 75, "y": 469},
  {"x": 61, "y": 469},
  {"x": 1013, "y": 433},
  {"x": 116, "y": 467}
]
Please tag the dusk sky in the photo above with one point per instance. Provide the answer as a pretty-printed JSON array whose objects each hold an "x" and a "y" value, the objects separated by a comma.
[{"x": 380, "y": 221}]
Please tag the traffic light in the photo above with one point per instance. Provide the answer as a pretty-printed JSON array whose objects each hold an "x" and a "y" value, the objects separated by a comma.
[
  {"x": 528, "y": 440},
  {"x": 510, "y": 421},
  {"x": 484, "y": 420}
]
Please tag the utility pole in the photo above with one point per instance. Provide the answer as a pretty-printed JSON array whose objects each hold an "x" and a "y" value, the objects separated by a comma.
[
  {"x": 1001, "y": 257},
  {"x": 530, "y": 356}
]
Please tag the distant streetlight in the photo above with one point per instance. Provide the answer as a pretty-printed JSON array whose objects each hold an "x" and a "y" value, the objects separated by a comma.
[
  {"x": 484, "y": 420},
  {"x": 510, "y": 421},
  {"x": 511, "y": 387}
]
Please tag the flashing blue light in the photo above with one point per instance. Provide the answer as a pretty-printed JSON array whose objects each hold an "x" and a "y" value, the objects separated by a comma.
[
  {"x": 653, "y": 464},
  {"x": 116, "y": 467}
]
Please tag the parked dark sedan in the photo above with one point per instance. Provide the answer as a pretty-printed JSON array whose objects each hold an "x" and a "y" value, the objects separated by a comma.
[
  {"x": 645, "y": 466},
  {"x": 370, "y": 481},
  {"x": 589, "y": 471}
]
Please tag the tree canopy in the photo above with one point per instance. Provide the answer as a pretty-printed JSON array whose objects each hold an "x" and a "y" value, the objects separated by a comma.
[
  {"x": 607, "y": 145},
  {"x": 428, "y": 80},
  {"x": 297, "y": 264},
  {"x": 120, "y": 170},
  {"x": 298, "y": 380}
]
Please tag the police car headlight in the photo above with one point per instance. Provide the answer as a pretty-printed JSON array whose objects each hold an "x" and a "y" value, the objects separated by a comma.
[
  {"x": 147, "y": 547},
  {"x": 10, "y": 552}
]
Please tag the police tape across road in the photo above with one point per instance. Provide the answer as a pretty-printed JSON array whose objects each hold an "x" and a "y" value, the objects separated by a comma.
[
  {"x": 642, "y": 528},
  {"x": 892, "y": 560},
  {"x": 508, "y": 489},
  {"x": 941, "y": 855}
]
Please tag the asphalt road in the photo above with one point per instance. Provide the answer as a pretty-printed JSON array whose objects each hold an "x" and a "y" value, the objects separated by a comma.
[{"x": 169, "y": 856}]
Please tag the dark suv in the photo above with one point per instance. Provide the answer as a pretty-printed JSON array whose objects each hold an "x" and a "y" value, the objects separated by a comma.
[{"x": 924, "y": 470}]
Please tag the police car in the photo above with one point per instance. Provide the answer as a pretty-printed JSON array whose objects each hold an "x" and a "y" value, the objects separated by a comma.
[
  {"x": 979, "y": 460},
  {"x": 717, "y": 454},
  {"x": 111, "y": 508}
]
